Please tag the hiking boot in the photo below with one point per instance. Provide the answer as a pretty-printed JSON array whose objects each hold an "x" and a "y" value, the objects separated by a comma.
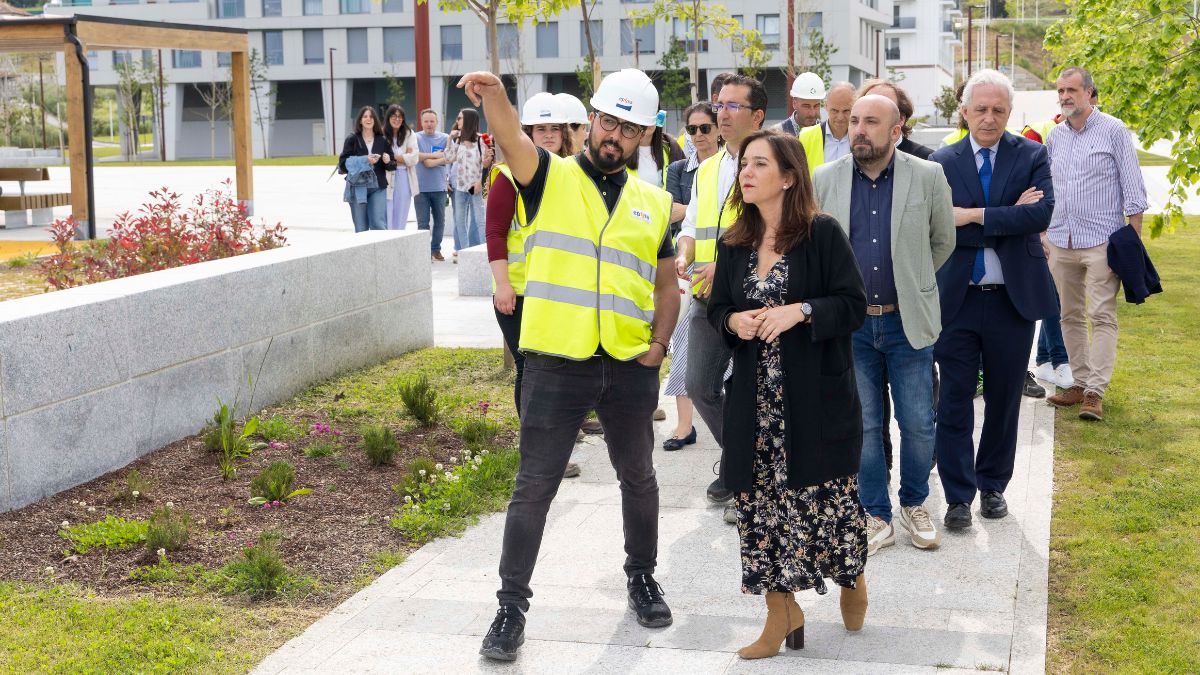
[
  {"x": 992, "y": 504},
  {"x": 1092, "y": 409},
  {"x": 1067, "y": 399},
  {"x": 920, "y": 526},
  {"x": 506, "y": 634},
  {"x": 879, "y": 534},
  {"x": 1032, "y": 388},
  {"x": 646, "y": 598}
]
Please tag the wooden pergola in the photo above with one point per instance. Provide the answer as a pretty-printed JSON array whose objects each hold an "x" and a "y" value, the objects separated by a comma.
[{"x": 75, "y": 35}]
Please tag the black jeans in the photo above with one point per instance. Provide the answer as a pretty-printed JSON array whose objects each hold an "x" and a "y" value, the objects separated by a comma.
[
  {"x": 556, "y": 397},
  {"x": 510, "y": 328}
]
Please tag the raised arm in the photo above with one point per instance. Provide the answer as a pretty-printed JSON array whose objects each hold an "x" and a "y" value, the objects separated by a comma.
[{"x": 519, "y": 152}]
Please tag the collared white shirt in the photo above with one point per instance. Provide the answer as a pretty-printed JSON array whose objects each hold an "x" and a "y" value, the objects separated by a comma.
[
  {"x": 992, "y": 274},
  {"x": 726, "y": 174},
  {"x": 836, "y": 148}
]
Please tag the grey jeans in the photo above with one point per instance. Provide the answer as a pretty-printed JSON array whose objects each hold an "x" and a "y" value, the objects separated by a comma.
[
  {"x": 556, "y": 396},
  {"x": 708, "y": 358}
]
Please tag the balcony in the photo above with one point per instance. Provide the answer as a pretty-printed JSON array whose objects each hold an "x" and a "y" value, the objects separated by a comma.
[
  {"x": 904, "y": 22},
  {"x": 892, "y": 53},
  {"x": 947, "y": 26}
]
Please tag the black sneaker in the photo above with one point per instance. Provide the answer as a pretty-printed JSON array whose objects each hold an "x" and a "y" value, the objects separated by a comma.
[
  {"x": 992, "y": 504},
  {"x": 506, "y": 635},
  {"x": 958, "y": 516},
  {"x": 1032, "y": 388},
  {"x": 646, "y": 598},
  {"x": 716, "y": 489}
]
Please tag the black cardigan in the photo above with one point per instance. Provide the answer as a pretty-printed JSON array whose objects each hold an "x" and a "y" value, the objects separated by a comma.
[
  {"x": 823, "y": 430},
  {"x": 355, "y": 145}
]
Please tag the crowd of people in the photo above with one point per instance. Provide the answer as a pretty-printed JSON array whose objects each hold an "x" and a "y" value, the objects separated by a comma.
[{"x": 809, "y": 280}]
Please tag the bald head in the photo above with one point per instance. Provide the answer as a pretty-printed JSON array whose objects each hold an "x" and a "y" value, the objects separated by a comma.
[
  {"x": 874, "y": 130},
  {"x": 837, "y": 105},
  {"x": 878, "y": 105}
]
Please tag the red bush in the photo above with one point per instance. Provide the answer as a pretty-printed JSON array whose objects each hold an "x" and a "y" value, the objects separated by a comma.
[{"x": 159, "y": 236}]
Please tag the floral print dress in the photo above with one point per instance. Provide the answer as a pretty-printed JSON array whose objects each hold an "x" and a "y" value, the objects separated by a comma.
[{"x": 791, "y": 538}]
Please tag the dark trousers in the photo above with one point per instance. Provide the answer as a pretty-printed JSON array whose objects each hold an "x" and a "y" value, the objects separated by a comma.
[
  {"x": 510, "y": 328},
  {"x": 988, "y": 326},
  {"x": 707, "y": 360},
  {"x": 556, "y": 396}
]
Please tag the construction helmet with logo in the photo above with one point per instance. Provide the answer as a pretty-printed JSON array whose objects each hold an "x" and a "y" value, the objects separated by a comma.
[
  {"x": 573, "y": 108},
  {"x": 542, "y": 108},
  {"x": 628, "y": 95},
  {"x": 808, "y": 86}
]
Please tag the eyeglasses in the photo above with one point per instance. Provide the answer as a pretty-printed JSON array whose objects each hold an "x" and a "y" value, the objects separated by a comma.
[
  {"x": 732, "y": 107},
  {"x": 628, "y": 129},
  {"x": 693, "y": 128}
]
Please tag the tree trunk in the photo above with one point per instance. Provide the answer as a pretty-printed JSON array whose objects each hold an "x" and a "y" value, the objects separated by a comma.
[
  {"x": 492, "y": 33},
  {"x": 695, "y": 66},
  {"x": 591, "y": 49}
]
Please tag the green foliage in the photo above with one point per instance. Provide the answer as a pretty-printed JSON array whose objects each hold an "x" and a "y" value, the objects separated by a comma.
[
  {"x": 420, "y": 399},
  {"x": 946, "y": 103},
  {"x": 278, "y": 428},
  {"x": 583, "y": 75},
  {"x": 676, "y": 86},
  {"x": 321, "y": 449},
  {"x": 1145, "y": 60},
  {"x": 261, "y": 573},
  {"x": 702, "y": 18},
  {"x": 112, "y": 533},
  {"x": 417, "y": 476},
  {"x": 22, "y": 261},
  {"x": 818, "y": 53},
  {"x": 136, "y": 486},
  {"x": 395, "y": 89},
  {"x": 755, "y": 54},
  {"x": 477, "y": 431},
  {"x": 167, "y": 529},
  {"x": 380, "y": 562},
  {"x": 480, "y": 484},
  {"x": 168, "y": 573},
  {"x": 380, "y": 444},
  {"x": 274, "y": 484},
  {"x": 222, "y": 435}
]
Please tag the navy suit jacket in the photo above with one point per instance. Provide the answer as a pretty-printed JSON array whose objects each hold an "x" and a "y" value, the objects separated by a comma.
[{"x": 1011, "y": 231}]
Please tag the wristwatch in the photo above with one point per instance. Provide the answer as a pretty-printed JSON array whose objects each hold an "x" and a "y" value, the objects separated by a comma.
[{"x": 807, "y": 309}]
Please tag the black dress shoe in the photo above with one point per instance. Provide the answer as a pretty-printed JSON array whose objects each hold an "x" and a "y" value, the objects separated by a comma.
[
  {"x": 675, "y": 442},
  {"x": 506, "y": 635},
  {"x": 992, "y": 504},
  {"x": 1032, "y": 388},
  {"x": 646, "y": 598},
  {"x": 958, "y": 516},
  {"x": 717, "y": 492}
]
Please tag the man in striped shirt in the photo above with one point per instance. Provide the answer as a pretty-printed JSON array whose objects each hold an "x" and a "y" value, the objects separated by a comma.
[{"x": 1098, "y": 186}]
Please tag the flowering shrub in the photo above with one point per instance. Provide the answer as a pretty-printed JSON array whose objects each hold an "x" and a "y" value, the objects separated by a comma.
[
  {"x": 448, "y": 498},
  {"x": 478, "y": 431},
  {"x": 159, "y": 235}
]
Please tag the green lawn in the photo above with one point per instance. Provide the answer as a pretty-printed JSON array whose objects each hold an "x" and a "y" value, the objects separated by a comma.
[
  {"x": 1125, "y": 535},
  {"x": 1151, "y": 159}
]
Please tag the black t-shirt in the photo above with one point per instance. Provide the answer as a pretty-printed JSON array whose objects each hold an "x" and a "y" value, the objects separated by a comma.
[{"x": 608, "y": 184}]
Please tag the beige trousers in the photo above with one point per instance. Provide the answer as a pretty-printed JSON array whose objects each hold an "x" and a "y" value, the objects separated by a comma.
[{"x": 1087, "y": 289}]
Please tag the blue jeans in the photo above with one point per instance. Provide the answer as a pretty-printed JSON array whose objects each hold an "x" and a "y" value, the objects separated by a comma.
[
  {"x": 373, "y": 214},
  {"x": 427, "y": 204},
  {"x": 881, "y": 341},
  {"x": 1050, "y": 346},
  {"x": 468, "y": 219}
]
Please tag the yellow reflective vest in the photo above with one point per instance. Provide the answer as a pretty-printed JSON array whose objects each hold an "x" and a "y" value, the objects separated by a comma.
[
  {"x": 590, "y": 274},
  {"x": 713, "y": 215},
  {"x": 518, "y": 235},
  {"x": 954, "y": 136},
  {"x": 813, "y": 140},
  {"x": 1040, "y": 130}
]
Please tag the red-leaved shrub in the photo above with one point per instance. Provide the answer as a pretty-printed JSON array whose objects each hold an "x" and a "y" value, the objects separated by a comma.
[{"x": 160, "y": 235}]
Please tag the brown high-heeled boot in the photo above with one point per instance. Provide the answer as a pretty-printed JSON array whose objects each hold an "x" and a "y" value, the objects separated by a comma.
[
  {"x": 785, "y": 623},
  {"x": 854, "y": 604}
]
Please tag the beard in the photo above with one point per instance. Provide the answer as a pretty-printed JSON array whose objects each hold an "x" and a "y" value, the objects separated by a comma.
[
  {"x": 604, "y": 163},
  {"x": 870, "y": 154}
]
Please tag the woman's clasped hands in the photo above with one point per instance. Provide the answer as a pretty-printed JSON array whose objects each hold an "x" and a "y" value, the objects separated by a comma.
[{"x": 765, "y": 323}]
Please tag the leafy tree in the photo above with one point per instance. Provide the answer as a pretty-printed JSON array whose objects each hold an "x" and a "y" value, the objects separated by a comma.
[
  {"x": 819, "y": 53},
  {"x": 1145, "y": 57},
  {"x": 946, "y": 103},
  {"x": 676, "y": 90},
  {"x": 585, "y": 75},
  {"x": 489, "y": 13},
  {"x": 592, "y": 65},
  {"x": 754, "y": 54}
]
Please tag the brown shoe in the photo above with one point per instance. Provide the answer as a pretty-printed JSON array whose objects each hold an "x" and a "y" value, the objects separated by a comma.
[
  {"x": 437, "y": 255},
  {"x": 1066, "y": 399},
  {"x": 1092, "y": 408}
]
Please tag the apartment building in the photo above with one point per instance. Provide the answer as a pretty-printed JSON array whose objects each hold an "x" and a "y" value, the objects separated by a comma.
[{"x": 922, "y": 47}]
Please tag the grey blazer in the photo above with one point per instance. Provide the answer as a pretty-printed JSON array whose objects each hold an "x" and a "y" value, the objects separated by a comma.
[{"x": 922, "y": 234}]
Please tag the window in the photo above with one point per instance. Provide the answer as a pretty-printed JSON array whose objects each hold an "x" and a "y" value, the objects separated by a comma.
[
  {"x": 509, "y": 39},
  {"x": 123, "y": 2},
  {"x": 547, "y": 40},
  {"x": 641, "y": 37},
  {"x": 809, "y": 22},
  {"x": 452, "y": 43},
  {"x": 313, "y": 8},
  {"x": 393, "y": 6},
  {"x": 398, "y": 45},
  {"x": 185, "y": 58},
  {"x": 314, "y": 46},
  {"x": 685, "y": 33},
  {"x": 231, "y": 9},
  {"x": 355, "y": 6},
  {"x": 93, "y": 60},
  {"x": 893, "y": 48},
  {"x": 121, "y": 58},
  {"x": 768, "y": 28},
  {"x": 224, "y": 59},
  {"x": 273, "y": 47},
  {"x": 356, "y": 45},
  {"x": 272, "y": 7},
  {"x": 597, "y": 38}
]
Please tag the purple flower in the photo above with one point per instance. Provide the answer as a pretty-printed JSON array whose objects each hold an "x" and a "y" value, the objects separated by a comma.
[
  {"x": 267, "y": 505},
  {"x": 276, "y": 503},
  {"x": 278, "y": 445}
]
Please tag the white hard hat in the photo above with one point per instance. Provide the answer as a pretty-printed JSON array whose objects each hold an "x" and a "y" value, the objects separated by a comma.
[
  {"x": 629, "y": 95},
  {"x": 573, "y": 109},
  {"x": 543, "y": 108},
  {"x": 809, "y": 86}
]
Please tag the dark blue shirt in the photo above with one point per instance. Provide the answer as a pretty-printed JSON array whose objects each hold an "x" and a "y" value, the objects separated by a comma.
[{"x": 871, "y": 232}]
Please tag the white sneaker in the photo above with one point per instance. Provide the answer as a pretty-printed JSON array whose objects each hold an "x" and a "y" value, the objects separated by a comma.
[
  {"x": 879, "y": 534},
  {"x": 1063, "y": 376},
  {"x": 1045, "y": 373},
  {"x": 920, "y": 527}
]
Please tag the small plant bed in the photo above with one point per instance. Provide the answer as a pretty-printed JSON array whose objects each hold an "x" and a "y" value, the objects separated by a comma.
[
  {"x": 297, "y": 507},
  {"x": 20, "y": 280}
]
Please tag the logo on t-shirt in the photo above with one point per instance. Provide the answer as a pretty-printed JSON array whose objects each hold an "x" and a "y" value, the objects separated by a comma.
[{"x": 641, "y": 215}]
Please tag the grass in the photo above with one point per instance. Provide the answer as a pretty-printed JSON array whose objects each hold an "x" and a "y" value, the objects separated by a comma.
[
  {"x": 1125, "y": 535},
  {"x": 1151, "y": 159}
]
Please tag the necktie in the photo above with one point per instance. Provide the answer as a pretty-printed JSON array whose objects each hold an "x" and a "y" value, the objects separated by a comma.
[{"x": 985, "y": 180}]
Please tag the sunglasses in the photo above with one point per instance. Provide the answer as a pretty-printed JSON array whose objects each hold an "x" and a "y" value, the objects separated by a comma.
[{"x": 691, "y": 129}]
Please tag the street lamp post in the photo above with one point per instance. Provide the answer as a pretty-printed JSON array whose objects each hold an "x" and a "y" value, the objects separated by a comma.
[{"x": 332, "y": 110}]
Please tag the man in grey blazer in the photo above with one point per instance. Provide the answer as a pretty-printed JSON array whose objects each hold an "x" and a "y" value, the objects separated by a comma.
[{"x": 897, "y": 211}]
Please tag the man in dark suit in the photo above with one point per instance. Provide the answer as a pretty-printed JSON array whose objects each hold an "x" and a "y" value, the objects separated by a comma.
[{"x": 994, "y": 288}]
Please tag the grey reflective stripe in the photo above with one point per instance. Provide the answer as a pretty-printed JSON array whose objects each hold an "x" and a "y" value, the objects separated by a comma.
[
  {"x": 566, "y": 242},
  {"x": 515, "y": 225},
  {"x": 696, "y": 267},
  {"x": 629, "y": 261},
  {"x": 516, "y": 257},
  {"x": 706, "y": 233},
  {"x": 588, "y": 299}
]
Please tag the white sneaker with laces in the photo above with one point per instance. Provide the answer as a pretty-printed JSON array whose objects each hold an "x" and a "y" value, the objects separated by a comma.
[
  {"x": 920, "y": 527},
  {"x": 879, "y": 534},
  {"x": 1063, "y": 376},
  {"x": 1045, "y": 373}
]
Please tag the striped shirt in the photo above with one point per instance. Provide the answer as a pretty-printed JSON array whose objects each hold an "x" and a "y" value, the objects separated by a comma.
[{"x": 1097, "y": 181}]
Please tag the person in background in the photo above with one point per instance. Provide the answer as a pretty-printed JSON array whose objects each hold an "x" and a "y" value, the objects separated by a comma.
[
  {"x": 405, "y": 154},
  {"x": 830, "y": 140},
  {"x": 808, "y": 92},
  {"x": 655, "y": 152},
  {"x": 470, "y": 159},
  {"x": 904, "y": 104},
  {"x": 432, "y": 174},
  {"x": 368, "y": 140},
  {"x": 700, "y": 125},
  {"x": 577, "y": 118},
  {"x": 787, "y": 297}
]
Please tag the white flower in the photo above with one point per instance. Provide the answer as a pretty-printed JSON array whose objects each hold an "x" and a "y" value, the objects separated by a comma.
[
  {"x": 454, "y": 460},
  {"x": 65, "y": 524},
  {"x": 449, "y": 475},
  {"x": 136, "y": 493},
  {"x": 162, "y": 552},
  {"x": 478, "y": 460},
  {"x": 445, "y": 506},
  {"x": 91, "y": 509},
  {"x": 484, "y": 451},
  {"x": 422, "y": 472},
  {"x": 170, "y": 505},
  {"x": 49, "y": 570},
  {"x": 438, "y": 467},
  {"x": 83, "y": 503},
  {"x": 416, "y": 507},
  {"x": 408, "y": 499}
]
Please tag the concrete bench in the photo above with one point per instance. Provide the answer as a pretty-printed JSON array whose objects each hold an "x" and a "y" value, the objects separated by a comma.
[
  {"x": 474, "y": 273},
  {"x": 19, "y": 207}
]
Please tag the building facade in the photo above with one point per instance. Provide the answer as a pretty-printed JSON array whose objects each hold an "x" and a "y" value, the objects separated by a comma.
[
  {"x": 328, "y": 58},
  {"x": 922, "y": 48}
]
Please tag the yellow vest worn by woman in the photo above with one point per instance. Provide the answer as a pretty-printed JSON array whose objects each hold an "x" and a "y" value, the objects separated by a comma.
[
  {"x": 519, "y": 236},
  {"x": 590, "y": 274},
  {"x": 712, "y": 215}
]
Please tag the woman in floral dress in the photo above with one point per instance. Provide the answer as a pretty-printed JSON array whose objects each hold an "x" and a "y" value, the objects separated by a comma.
[{"x": 787, "y": 296}]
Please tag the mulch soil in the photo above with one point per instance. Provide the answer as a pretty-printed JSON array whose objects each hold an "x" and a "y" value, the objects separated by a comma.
[{"x": 329, "y": 534}]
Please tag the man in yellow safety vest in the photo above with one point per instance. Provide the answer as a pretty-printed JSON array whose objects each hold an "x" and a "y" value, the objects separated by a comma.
[{"x": 830, "y": 140}]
